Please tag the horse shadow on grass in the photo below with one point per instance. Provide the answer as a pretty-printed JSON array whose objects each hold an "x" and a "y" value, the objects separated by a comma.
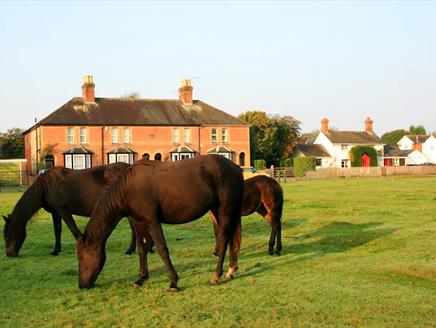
[{"x": 335, "y": 237}]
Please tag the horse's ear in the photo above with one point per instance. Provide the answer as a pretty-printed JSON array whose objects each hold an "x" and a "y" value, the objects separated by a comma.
[{"x": 6, "y": 219}]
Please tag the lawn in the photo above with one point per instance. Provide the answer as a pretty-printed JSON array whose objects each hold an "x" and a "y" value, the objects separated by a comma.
[
  {"x": 356, "y": 253},
  {"x": 9, "y": 174}
]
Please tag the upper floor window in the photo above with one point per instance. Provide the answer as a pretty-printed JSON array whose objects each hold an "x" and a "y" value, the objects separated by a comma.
[
  {"x": 176, "y": 135},
  {"x": 83, "y": 135},
  {"x": 224, "y": 135},
  {"x": 70, "y": 135},
  {"x": 126, "y": 135},
  {"x": 187, "y": 135},
  {"x": 213, "y": 135},
  {"x": 344, "y": 147},
  {"x": 114, "y": 135}
]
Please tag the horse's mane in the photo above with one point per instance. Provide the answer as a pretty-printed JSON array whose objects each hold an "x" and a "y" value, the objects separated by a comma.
[
  {"x": 32, "y": 199},
  {"x": 110, "y": 204}
]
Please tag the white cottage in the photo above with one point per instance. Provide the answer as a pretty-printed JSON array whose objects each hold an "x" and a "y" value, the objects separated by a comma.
[
  {"x": 422, "y": 147},
  {"x": 332, "y": 148}
]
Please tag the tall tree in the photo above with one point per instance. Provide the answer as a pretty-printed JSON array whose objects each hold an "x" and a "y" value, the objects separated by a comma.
[
  {"x": 392, "y": 137},
  {"x": 270, "y": 136},
  {"x": 12, "y": 144},
  {"x": 417, "y": 129}
]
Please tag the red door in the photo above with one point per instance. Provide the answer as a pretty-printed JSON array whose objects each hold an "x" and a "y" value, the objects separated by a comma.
[
  {"x": 388, "y": 161},
  {"x": 365, "y": 160}
]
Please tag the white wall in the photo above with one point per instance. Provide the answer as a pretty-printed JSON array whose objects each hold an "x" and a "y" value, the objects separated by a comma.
[
  {"x": 429, "y": 149},
  {"x": 405, "y": 143}
]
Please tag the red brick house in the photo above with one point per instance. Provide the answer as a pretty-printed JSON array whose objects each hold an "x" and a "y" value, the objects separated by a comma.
[{"x": 88, "y": 131}]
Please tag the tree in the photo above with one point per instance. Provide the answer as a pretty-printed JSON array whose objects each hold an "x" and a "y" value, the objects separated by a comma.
[
  {"x": 12, "y": 144},
  {"x": 417, "y": 129},
  {"x": 392, "y": 137},
  {"x": 270, "y": 136},
  {"x": 131, "y": 95}
]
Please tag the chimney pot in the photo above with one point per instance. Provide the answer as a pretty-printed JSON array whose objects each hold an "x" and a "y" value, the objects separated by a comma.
[
  {"x": 325, "y": 125},
  {"x": 369, "y": 125},
  {"x": 185, "y": 92},
  {"x": 88, "y": 89}
]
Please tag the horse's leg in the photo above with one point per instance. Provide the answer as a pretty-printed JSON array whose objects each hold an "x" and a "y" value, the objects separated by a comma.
[
  {"x": 131, "y": 248},
  {"x": 71, "y": 224},
  {"x": 223, "y": 241},
  {"x": 268, "y": 218},
  {"x": 155, "y": 230},
  {"x": 276, "y": 225},
  {"x": 57, "y": 226},
  {"x": 214, "y": 216},
  {"x": 142, "y": 253}
]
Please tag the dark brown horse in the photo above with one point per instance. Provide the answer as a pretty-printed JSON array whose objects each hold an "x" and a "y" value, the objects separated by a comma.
[
  {"x": 263, "y": 195},
  {"x": 153, "y": 193},
  {"x": 61, "y": 192}
]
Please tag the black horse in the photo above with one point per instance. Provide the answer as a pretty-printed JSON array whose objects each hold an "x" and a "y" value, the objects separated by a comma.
[
  {"x": 263, "y": 195},
  {"x": 61, "y": 192},
  {"x": 152, "y": 193}
]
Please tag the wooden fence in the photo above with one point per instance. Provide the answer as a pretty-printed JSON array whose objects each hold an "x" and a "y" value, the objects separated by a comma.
[
  {"x": 281, "y": 174},
  {"x": 379, "y": 171}
]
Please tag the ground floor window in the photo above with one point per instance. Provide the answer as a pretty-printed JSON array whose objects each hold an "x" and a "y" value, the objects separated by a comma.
[
  {"x": 77, "y": 161},
  {"x": 318, "y": 161},
  {"x": 242, "y": 159},
  {"x": 49, "y": 161},
  {"x": 126, "y": 158},
  {"x": 344, "y": 163},
  {"x": 158, "y": 157},
  {"x": 181, "y": 156}
]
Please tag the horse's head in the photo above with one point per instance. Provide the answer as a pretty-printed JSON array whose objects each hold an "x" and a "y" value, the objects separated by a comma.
[
  {"x": 91, "y": 260},
  {"x": 14, "y": 236}
]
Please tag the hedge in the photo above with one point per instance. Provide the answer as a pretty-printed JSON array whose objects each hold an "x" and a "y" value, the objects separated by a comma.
[
  {"x": 259, "y": 164},
  {"x": 358, "y": 151},
  {"x": 287, "y": 162},
  {"x": 304, "y": 164}
]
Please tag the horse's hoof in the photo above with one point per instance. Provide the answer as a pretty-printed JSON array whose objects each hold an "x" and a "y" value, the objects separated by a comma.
[
  {"x": 174, "y": 289},
  {"x": 278, "y": 252},
  {"x": 214, "y": 281},
  {"x": 271, "y": 252},
  {"x": 215, "y": 255},
  {"x": 229, "y": 277},
  {"x": 129, "y": 252},
  {"x": 54, "y": 253},
  {"x": 140, "y": 281}
]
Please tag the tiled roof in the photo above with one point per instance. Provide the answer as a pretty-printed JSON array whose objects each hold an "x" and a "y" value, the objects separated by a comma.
[
  {"x": 121, "y": 150},
  {"x": 78, "y": 150},
  {"x": 219, "y": 149},
  {"x": 313, "y": 150},
  {"x": 353, "y": 137},
  {"x": 122, "y": 111},
  {"x": 419, "y": 138},
  {"x": 182, "y": 149},
  {"x": 395, "y": 151}
]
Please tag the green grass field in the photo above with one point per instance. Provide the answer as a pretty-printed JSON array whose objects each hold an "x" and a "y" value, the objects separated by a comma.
[
  {"x": 9, "y": 174},
  {"x": 357, "y": 253}
]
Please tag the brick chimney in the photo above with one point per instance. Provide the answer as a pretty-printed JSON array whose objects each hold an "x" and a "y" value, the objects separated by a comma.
[
  {"x": 185, "y": 92},
  {"x": 88, "y": 89},
  {"x": 325, "y": 125},
  {"x": 368, "y": 125}
]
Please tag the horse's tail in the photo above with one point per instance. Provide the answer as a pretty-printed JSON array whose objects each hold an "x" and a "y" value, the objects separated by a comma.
[{"x": 235, "y": 243}]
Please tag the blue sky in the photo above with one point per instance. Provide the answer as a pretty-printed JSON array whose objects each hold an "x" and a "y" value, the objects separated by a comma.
[{"x": 340, "y": 60}]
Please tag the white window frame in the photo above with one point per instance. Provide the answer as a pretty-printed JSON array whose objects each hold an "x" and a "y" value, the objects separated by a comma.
[
  {"x": 181, "y": 156},
  {"x": 224, "y": 135},
  {"x": 114, "y": 135},
  {"x": 126, "y": 135},
  {"x": 83, "y": 135},
  {"x": 344, "y": 147},
  {"x": 213, "y": 135},
  {"x": 70, "y": 136},
  {"x": 176, "y": 136},
  {"x": 187, "y": 135},
  {"x": 123, "y": 157},
  {"x": 78, "y": 161},
  {"x": 344, "y": 163}
]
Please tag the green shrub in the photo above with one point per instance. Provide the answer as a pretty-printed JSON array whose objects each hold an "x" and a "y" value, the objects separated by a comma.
[
  {"x": 358, "y": 151},
  {"x": 287, "y": 162},
  {"x": 304, "y": 164},
  {"x": 259, "y": 164}
]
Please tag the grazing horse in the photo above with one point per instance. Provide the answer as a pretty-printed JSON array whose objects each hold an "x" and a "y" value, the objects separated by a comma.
[
  {"x": 152, "y": 193},
  {"x": 61, "y": 192},
  {"x": 263, "y": 195}
]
